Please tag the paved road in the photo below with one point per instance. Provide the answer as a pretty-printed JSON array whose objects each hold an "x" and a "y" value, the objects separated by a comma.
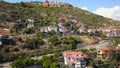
[
  {"x": 6, "y": 65},
  {"x": 97, "y": 46}
]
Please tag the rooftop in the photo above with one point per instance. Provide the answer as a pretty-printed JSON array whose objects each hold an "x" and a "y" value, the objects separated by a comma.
[{"x": 75, "y": 54}]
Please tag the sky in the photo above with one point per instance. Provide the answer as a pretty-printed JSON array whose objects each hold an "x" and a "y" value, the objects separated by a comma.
[{"x": 106, "y": 8}]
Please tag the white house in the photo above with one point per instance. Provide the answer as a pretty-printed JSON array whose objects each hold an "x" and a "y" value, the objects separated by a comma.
[
  {"x": 44, "y": 29},
  {"x": 30, "y": 20},
  {"x": 49, "y": 28},
  {"x": 75, "y": 59},
  {"x": 60, "y": 24},
  {"x": 30, "y": 24},
  {"x": 63, "y": 29},
  {"x": 75, "y": 21},
  {"x": 53, "y": 28},
  {"x": 92, "y": 30}
]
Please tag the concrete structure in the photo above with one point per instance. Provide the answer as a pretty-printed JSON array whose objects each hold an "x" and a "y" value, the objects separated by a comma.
[
  {"x": 75, "y": 21},
  {"x": 49, "y": 28},
  {"x": 92, "y": 31},
  {"x": 53, "y": 28},
  {"x": 75, "y": 59},
  {"x": 82, "y": 29},
  {"x": 63, "y": 29},
  {"x": 102, "y": 54},
  {"x": 30, "y": 24}
]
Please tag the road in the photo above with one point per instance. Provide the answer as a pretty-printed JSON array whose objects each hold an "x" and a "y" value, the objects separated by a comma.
[{"x": 97, "y": 46}]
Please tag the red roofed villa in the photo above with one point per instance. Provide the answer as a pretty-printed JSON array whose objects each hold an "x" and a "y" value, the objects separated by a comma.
[{"x": 75, "y": 59}]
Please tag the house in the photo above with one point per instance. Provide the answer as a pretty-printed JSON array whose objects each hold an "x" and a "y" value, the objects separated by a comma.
[
  {"x": 82, "y": 29},
  {"x": 117, "y": 47},
  {"x": 44, "y": 29},
  {"x": 49, "y": 28},
  {"x": 4, "y": 31},
  {"x": 19, "y": 20},
  {"x": 0, "y": 43},
  {"x": 92, "y": 31},
  {"x": 60, "y": 24},
  {"x": 30, "y": 24},
  {"x": 63, "y": 29},
  {"x": 102, "y": 54},
  {"x": 75, "y": 21},
  {"x": 75, "y": 59},
  {"x": 7, "y": 41},
  {"x": 53, "y": 28}
]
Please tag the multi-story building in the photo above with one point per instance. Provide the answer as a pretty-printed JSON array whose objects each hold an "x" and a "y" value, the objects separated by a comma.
[
  {"x": 75, "y": 59},
  {"x": 102, "y": 54}
]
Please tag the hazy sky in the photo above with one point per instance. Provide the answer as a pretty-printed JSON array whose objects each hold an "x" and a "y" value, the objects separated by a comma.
[{"x": 107, "y": 8}]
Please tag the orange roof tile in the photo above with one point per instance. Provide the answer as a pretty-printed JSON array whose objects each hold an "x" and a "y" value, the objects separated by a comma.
[
  {"x": 105, "y": 49},
  {"x": 75, "y": 54}
]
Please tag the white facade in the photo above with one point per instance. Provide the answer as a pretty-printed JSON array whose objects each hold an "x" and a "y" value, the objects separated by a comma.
[
  {"x": 92, "y": 30},
  {"x": 49, "y": 28},
  {"x": 82, "y": 30},
  {"x": 44, "y": 29},
  {"x": 30, "y": 25},
  {"x": 75, "y": 59},
  {"x": 0, "y": 43},
  {"x": 62, "y": 29},
  {"x": 53, "y": 28},
  {"x": 60, "y": 24}
]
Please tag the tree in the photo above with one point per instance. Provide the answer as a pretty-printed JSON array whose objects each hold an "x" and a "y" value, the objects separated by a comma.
[
  {"x": 92, "y": 49},
  {"x": 53, "y": 40},
  {"x": 46, "y": 64},
  {"x": 29, "y": 31},
  {"x": 22, "y": 62},
  {"x": 23, "y": 4},
  {"x": 53, "y": 65}
]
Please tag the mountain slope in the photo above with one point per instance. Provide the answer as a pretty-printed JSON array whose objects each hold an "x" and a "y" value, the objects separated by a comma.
[{"x": 13, "y": 12}]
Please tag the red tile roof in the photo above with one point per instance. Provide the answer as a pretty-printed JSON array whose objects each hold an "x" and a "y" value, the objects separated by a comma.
[
  {"x": 75, "y": 54},
  {"x": 105, "y": 49}
]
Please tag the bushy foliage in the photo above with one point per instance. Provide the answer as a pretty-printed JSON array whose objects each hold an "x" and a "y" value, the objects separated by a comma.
[
  {"x": 53, "y": 40},
  {"x": 22, "y": 62}
]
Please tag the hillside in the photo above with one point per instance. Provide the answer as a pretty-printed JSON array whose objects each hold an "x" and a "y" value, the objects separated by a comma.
[
  {"x": 12, "y": 12},
  {"x": 34, "y": 29}
]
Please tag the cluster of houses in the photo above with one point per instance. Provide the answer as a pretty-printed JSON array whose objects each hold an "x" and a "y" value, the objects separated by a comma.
[
  {"x": 54, "y": 3},
  {"x": 109, "y": 32},
  {"x": 59, "y": 28},
  {"x": 76, "y": 59}
]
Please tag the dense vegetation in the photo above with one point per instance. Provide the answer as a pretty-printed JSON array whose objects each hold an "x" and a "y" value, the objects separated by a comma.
[
  {"x": 116, "y": 41},
  {"x": 45, "y": 62}
]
